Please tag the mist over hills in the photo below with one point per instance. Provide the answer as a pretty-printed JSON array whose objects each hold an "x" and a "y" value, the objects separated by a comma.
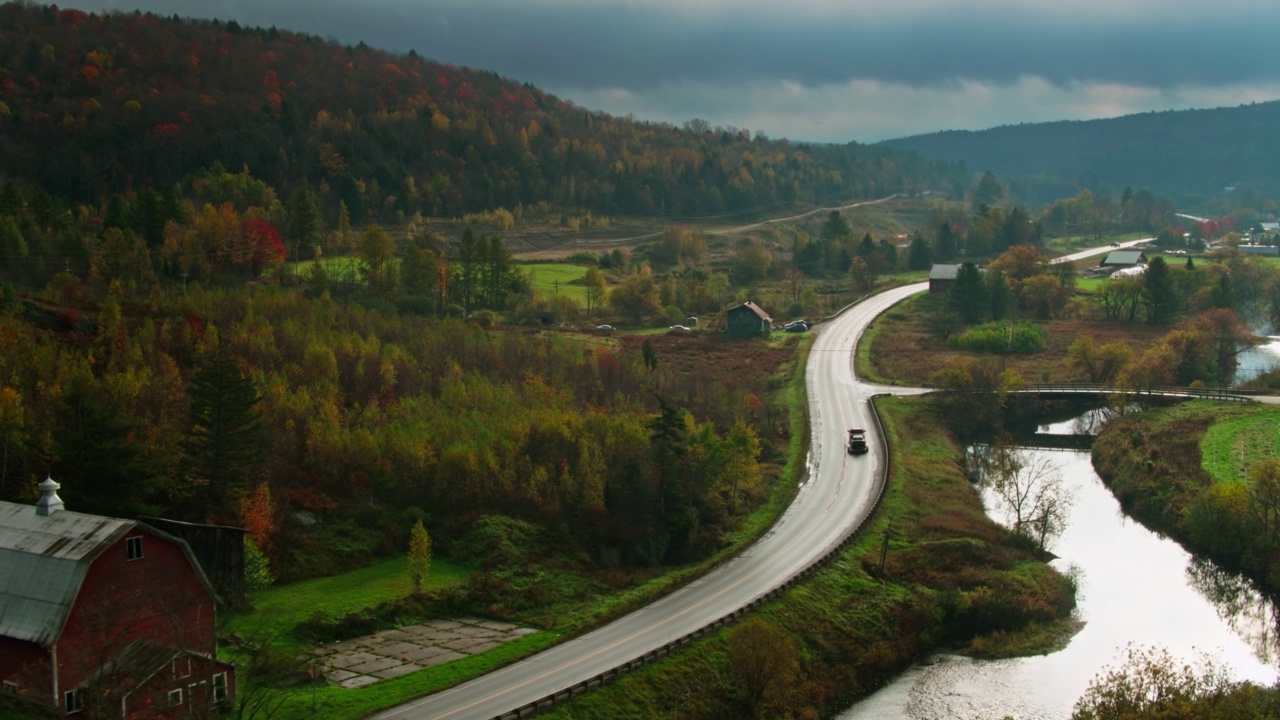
[{"x": 1189, "y": 155}]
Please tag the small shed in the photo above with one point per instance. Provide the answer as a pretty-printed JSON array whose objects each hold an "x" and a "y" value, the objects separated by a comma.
[
  {"x": 1124, "y": 258},
  {"x": 747, "y": 320},
  {"x": 941, "y": 276}
]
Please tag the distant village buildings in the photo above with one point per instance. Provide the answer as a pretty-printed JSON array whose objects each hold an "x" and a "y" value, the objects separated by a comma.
[{"x": 106, "y": 617}]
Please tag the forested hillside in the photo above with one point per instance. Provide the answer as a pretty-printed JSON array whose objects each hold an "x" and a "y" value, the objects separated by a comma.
[
  {"x": 1189, "y": 155},
  {"x": 97, "y": 104}
]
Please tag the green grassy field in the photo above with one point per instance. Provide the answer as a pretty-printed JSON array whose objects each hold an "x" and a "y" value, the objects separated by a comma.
[
  {"x": 278, "y": 609},
  {"x": 342, "y": 269},
  {"x": 555, "y": 279},
  {"x": 1230, "y": 447}
]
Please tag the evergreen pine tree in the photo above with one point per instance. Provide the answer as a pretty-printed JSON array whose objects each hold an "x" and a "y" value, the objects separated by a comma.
[
  {"x": 946, "y": 242},
  {"x": 1001, "y": 295},
  {"x": 96, "y": 457},
  {"x": 304, "y": 218},
  {"x": 1158, "y": 292},
  {"x": 919, "y": 256},
  {"x": 225, "y": 443},
  {"x": 968, "y": 296}
]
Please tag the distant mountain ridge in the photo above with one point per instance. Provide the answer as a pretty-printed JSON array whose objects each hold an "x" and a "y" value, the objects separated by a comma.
[{"x": 1187, "y": 154}]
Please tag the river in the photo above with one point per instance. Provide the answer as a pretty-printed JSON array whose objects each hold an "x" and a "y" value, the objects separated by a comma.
[
  {"x": 1136, "y": 588},
  {"x": 1258, "y": 359}
]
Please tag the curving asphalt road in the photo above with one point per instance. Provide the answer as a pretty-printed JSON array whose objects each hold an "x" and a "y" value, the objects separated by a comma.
[{"x": 839, "y": 493}]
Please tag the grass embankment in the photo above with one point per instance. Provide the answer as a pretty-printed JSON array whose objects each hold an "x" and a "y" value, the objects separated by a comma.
[
  {"x": 953, "y": 578},
  {"x": 518, "y": 562},
  {"x": 904, "y": 350},
  {"x": 1183, "y": 471},
  {"x": 1231, "y": 447}
]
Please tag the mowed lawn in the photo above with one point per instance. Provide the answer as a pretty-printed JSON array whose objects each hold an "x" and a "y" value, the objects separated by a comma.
[
  {"x": 1231, "y": 447},
  {"x": 551, "y": 279},
  {"x": 284, "y": 606}
]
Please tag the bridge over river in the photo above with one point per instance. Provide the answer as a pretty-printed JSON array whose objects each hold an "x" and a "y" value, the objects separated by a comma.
[{"x": 1090, "y": 391}]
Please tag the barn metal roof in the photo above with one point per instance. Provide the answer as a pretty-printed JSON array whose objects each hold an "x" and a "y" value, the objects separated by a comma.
[
  {"x": 754, "y": 309},
  {"x": 941, "y": 271},
  {"x": 43, "y": 560},
  {"x": 1124, "y": 257}
]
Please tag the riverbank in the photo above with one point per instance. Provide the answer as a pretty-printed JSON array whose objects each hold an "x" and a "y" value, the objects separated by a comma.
[
  {"x": 951, "y": 578},
  {"x": 1190, "y": 471}
]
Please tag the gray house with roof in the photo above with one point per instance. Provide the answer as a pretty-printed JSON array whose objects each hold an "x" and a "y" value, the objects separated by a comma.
[{"x": 747, "y": 320}]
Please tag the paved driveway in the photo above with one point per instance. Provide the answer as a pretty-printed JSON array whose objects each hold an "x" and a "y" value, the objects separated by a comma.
[{"x": 391, "y": 653}]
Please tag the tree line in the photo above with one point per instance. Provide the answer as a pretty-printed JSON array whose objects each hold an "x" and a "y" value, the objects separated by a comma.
[{"x": 160, "y": 405}]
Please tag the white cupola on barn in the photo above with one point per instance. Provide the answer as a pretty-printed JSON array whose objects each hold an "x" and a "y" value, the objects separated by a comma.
[{"x": 49, "y": 502}]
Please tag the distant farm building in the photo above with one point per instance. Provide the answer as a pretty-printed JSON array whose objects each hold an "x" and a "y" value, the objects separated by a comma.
[
  {"x": 1271, "y": 250},
  {"x": 106, "y": 617},
  {"x": 1124, "y": 258},
  {"x": 747, "y": 320},
  {"x": 1129, "y": 272},
  {"x": 942, "y": 276}
]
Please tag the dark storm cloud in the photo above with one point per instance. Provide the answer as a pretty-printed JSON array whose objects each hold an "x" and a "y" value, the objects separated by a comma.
[
  {"x": 641, "y": 45},
  {"x": 821, "y": 69}
]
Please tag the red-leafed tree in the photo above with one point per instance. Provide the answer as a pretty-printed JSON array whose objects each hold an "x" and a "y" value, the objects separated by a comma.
[
  {"x": 264, "y": 239},
  {"x": 257, "y": 515}
]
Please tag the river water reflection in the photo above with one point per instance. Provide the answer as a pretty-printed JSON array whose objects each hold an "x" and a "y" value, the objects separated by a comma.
[{"x": 1135, "y": 588}]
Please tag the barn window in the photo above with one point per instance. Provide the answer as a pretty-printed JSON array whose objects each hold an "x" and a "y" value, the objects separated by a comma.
[
  {"x": 175, "y": 697},
  {"x": 73, "y": 700},
  {"x": 181, "y": 667},
  {"x": 220, "y": 687},
  {"x": 133, "y": 547}
]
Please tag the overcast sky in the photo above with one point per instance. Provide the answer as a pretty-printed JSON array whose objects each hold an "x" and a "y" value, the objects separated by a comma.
[{"x": 824, "y": 70}]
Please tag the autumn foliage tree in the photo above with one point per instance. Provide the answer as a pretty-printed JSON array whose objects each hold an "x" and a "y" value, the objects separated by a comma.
[
  {"x": 764, "y": 662},
  {"x": 264, "y": 242},
  {"x": 419, "y": 555}
]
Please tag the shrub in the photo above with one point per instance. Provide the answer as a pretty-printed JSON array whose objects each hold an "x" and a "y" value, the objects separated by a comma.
[{"x": 999, "y": 337}]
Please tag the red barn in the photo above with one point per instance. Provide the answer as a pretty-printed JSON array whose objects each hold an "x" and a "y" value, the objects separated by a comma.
[{"x": 105, "y": 618}]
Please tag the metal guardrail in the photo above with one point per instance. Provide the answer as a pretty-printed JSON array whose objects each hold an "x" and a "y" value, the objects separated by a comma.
[
  {"x": 610, "y": 675},
  {"x": 1158, "y": 391}
]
